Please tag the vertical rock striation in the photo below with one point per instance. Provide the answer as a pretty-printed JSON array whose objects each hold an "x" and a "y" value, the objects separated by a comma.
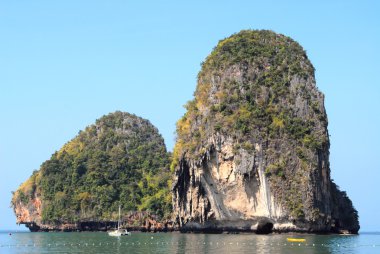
[{"x": 252, "y": 150}]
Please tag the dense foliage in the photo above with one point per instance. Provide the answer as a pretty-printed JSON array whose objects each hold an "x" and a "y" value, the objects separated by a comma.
[
  {"x": 120, "y": 160},
  {"x": 245, "y": 92}
]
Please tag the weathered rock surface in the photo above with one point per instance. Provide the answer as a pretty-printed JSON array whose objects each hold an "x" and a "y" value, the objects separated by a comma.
[{"x": 252, "y": 151}]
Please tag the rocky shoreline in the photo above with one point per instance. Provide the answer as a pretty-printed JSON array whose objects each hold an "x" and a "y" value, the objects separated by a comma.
[
  {"x": 134, "y": 221},
  {"x": 98, "y": 226},
  {"x": 196, "y": 228}
]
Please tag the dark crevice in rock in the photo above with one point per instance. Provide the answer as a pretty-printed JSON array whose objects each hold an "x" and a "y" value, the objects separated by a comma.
[{"x": 264, "y": 227}]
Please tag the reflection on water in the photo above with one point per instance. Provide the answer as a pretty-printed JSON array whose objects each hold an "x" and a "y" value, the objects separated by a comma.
[{"x": 185, "y": 243}]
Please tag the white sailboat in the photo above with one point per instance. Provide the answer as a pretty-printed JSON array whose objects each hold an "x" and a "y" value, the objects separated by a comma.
[{"x": 118, "y": 231}]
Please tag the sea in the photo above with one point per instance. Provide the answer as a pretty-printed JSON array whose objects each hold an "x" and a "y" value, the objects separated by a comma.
[{"x": 175, "y": 242}]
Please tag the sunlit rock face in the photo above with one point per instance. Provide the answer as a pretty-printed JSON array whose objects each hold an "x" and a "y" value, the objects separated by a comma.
[{"x": 252, "y": 150}]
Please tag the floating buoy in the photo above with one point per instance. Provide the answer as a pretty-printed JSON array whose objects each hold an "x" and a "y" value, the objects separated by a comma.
[{"x": 298, "y": 240}]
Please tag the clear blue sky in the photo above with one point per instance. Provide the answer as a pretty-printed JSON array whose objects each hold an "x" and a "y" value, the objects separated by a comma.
[{"x": 64, "y": 64}]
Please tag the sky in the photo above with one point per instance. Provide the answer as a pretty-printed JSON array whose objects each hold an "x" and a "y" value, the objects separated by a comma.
[{"x": 64, "y": 64}]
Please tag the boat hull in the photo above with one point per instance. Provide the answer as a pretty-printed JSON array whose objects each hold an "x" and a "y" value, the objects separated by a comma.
[{"x": 119, "y": 232}]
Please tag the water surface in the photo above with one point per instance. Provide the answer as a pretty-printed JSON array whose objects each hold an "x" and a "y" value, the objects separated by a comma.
[{"x": 100, "y": 242}]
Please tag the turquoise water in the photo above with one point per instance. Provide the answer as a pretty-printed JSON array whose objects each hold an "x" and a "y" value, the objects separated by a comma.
[{"x": 185, "y": 243}]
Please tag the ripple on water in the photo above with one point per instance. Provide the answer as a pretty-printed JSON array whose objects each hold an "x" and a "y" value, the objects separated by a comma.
[{"x": 98, "y": 242}]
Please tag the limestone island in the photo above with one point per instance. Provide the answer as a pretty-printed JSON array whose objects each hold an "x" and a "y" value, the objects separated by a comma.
[{"x": 251, "y": 155}]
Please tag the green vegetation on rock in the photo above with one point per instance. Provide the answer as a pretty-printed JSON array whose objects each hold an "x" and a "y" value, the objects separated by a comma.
[
  {"x": 257, "y": 87},
  {"x": 120, "y": 160},
  {"x": 260, "y": 104}
]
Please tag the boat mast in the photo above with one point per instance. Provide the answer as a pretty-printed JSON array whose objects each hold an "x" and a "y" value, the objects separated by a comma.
[{"x": 118, "y": 221}]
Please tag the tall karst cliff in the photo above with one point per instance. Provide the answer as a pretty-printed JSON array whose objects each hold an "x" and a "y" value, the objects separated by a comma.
[
  {"x": 119, "y": 160},
  {"x": 252, "y": 150}
]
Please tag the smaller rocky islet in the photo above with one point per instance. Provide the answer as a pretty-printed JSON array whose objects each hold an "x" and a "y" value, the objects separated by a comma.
[
  {"x": 121, "y": 160},
  {"x": 251, "y": 154}
]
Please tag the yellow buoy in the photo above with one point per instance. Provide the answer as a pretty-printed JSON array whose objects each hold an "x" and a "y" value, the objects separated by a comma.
[{"x": 297, "y": 240}]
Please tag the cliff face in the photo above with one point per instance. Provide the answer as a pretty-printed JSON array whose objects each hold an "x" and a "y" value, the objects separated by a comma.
[
  {"x": 119, "y": 160},
  {"x": 252, "y": 151}
]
